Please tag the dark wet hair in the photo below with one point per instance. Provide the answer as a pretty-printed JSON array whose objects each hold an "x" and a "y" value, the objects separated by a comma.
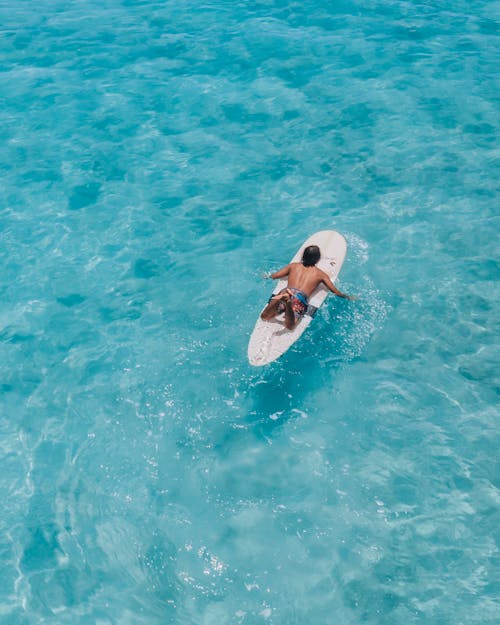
[{"x": 311, "y": 256}]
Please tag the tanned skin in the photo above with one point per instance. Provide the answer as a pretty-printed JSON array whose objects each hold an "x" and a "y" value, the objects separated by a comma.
[{"x": 299, "y": 277}]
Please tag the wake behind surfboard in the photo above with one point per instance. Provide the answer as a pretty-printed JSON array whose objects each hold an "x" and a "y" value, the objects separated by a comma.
[{"x": 271, "y": 339}]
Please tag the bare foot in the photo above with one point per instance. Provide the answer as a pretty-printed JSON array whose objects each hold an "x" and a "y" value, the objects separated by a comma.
[{"x": 285, "y": 295}]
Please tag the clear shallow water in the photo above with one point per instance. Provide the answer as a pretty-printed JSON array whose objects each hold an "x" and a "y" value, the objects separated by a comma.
[{"x": 156, "y": 158}]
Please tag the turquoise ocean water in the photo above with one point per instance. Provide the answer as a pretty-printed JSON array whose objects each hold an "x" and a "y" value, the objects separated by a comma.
[{"x": 156, "y": 158}]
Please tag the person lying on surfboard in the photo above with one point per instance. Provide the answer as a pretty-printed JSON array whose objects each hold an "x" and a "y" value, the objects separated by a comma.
[{"x": 303, "y": 278}]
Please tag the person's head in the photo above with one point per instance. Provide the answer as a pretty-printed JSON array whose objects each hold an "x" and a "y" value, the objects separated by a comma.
[{"x": 311, "y": 256}]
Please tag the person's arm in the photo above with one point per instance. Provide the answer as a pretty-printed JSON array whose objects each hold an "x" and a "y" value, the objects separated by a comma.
[
  {"x": 281, "y": 273},
  {"x": 331, "y": 287}
]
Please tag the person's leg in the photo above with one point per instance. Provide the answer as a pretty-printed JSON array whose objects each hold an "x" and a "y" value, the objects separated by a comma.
[
  {"x": 290, "y": 321},
  {"x": 271, "y": 310}
]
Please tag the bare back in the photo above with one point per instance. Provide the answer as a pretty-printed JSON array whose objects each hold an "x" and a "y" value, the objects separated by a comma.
[{"x": 305, "y": 278}]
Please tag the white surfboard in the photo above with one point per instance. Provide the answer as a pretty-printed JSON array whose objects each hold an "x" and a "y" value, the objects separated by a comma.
[{"x": 271, "y": 339}]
